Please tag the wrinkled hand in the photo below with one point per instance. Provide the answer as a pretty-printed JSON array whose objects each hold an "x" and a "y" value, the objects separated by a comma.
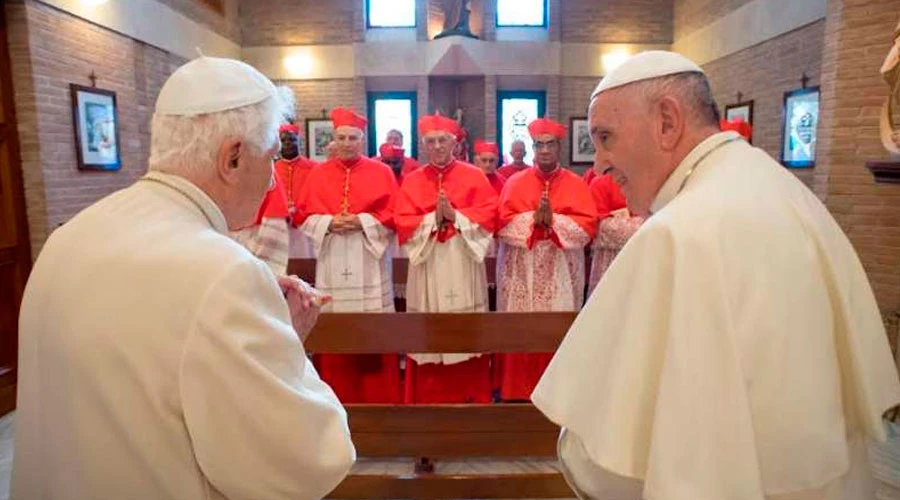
[
  {"x": 345, "y": 223},
  {"x": 447, "y": 211},
  {"x": 304, "y": 303},
  {"x": 352, "y": 223},
  {"x": 543, "y": 216}
]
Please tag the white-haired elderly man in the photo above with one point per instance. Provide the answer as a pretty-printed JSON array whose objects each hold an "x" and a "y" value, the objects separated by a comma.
[
  {"x": 734, "y": 349},
  {"x": 160, "y": 359}
]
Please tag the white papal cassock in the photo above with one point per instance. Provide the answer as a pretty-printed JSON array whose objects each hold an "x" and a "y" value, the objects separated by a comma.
[
  {"x": 157, "y": 361},
  {"x": 733, "y": 350}
]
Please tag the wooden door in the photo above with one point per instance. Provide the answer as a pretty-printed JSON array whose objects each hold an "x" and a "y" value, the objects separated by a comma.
[{"x": 15, "y": 254}]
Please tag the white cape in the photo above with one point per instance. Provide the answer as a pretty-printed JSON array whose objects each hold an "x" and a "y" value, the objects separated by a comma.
[{"x": 733, "y": 348}]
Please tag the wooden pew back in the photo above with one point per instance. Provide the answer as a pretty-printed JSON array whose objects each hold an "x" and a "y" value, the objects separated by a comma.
[{"x": 502, "y": 431}]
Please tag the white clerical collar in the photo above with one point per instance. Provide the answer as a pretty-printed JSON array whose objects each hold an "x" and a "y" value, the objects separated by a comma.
[
  {"x": 679, "y": 176},
  {"x": 195, "y": 195}
]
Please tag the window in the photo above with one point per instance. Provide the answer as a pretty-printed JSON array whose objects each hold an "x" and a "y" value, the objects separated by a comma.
[
  {"x": 515, "y": 110},
  {"x": 391, "y": 13},
  {"x": 392, "y": 111},
  {"x": 516, "y": 13}
]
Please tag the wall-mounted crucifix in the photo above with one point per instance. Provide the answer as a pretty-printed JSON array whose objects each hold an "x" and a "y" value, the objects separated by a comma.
[{"x": 804, "y": 80}]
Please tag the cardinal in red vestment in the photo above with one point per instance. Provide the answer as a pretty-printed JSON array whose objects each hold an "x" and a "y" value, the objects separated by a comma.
[
  {"x": 346, "y": 208},
  {"x": 547, "y": 217},
  {"x": 446, "y": 215}
]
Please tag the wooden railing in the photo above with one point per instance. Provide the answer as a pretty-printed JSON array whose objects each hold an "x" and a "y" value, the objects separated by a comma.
[{"x": 424, "y": 433}]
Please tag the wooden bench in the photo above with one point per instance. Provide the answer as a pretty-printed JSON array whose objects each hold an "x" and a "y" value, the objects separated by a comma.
[{"x": 424, "y": 433}]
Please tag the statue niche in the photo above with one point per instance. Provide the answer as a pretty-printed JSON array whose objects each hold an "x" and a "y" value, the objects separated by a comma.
[{"x": 461, "y": 11}]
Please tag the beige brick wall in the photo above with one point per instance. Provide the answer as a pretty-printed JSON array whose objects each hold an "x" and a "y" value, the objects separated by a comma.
[
  {"x": 616, "y": 21},
  {"x": 763, "y": 73},
  {"x": 314, "y": 96},
  {"x": 50, "y": 50},
  {"x": 226, "y": 24},
  {"x": 301, "y": 22},
  {"x": 575, "y": 93},
  {"x": 858, "y": 36},
  {"x": 691, "y": 15}
]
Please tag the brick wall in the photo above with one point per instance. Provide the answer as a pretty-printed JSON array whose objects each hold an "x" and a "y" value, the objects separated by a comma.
[
  {"x": 763, "y": 73},
  {"x": 691, "y": 15},
  {"x": 226, "y": 24},
  {"x": 575, "y": 96},
  {"x": 618, "y": 21},
  {"x": 49, "y": 50},
  {"x": 313, "y": 96},
  {"x": 858, "y": 37},
  {"x": 301, "y": 22}
]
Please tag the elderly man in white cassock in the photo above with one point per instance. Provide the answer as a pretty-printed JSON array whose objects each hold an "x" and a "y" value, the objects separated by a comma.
[
  {"x": 734, "y": 349},
  {"x": 159, "y": 358}
]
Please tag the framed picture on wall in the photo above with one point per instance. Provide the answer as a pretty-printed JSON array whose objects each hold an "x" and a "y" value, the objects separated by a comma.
[
  {"x": 742, "y": 110},
  {"x": 800, "y": 119},
  {"x": 319, "y": 132},
  {"x": 581, "y": 149},
  {"x": 96, "y": 120}
]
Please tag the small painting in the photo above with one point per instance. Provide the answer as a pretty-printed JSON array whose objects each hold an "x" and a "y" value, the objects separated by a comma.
[{"x": 96, "y": 120}]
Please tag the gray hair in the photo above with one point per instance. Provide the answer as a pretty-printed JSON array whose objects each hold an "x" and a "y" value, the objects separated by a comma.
[
  {"x": 691, "y": 89},
  {"x": 189, "y": 144}
]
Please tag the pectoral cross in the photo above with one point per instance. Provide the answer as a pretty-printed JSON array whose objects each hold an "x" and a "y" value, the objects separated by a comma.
[
  {"x": 451, "y": 296},
  {"x": 346, "y": 274},
  {"x": 345, "y": 201}
]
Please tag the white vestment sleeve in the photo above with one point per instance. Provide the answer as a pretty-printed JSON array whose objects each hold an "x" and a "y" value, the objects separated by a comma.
[
  {"x": 262, "y": 424},
  {"x": 421, "y": 244},
  {"x": 570, "y": 234},
  {"x": 477, "y": 239},
  {"x": 517, "y": 232},
  {"x": 316, "y": 229},
  {"x": 377, "y": 237}
]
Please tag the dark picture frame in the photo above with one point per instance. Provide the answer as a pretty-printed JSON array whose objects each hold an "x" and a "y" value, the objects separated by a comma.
[
  {"x": 95, "y": 116},
  {"x": 581, "y": 148},
  {"x": 799, "y": 124},
  {"x": 743, "y": 110},
  {"x": 319, "y": 132}
]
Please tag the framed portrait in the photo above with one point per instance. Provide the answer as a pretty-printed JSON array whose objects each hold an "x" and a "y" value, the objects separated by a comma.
[
  {"x": 581, "y": 149},
  {"x": 96, "y": 120},
  {"x": 319, "y": 132},
  {"x": 742, "y": 110},
  {"x": 800, "y": 119}
]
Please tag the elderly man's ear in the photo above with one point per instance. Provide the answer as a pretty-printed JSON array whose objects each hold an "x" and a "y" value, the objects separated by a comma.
[
  {"x": 671, "y": 123},
  {"x": 227, "y": 158}
]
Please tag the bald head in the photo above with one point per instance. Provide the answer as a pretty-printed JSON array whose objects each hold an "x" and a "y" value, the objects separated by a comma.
[{"x": 643, "y": 130}]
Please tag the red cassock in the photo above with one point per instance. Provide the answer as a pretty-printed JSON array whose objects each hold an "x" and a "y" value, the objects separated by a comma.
[
  {"x": 274, "y": 204},
  {"x": 497, "y": 181},
  {"x": 607, "y": 196},
  {"x": 589, "y": 176},
  {"x": 465, "y": 187},
  {"x": 410, "y": 165},
  {"x": 511, "y": 169},
  {"x": 355, "y": 378},
  {"x": 292, "y": 175},
  {"x": 570, "y": 197}
]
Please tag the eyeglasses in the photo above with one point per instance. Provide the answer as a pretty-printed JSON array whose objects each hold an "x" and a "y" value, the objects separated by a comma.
[
  {"x": 545, "y": 145},
  {"x": 441, "y": 140}
]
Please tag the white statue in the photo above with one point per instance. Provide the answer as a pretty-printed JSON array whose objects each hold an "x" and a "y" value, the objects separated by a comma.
[{"x": 890, "y": 70}]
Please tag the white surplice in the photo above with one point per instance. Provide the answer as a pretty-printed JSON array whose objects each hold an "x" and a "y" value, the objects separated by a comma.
[
  {"x": 545, "y": 277},
  {"x": 733, "y": 350},
  {"x": 301, "y": 246},
  {"x": 449, "y": 276},
  {"x": 157, "y": 361},
  {"x": 354, "y": 268},
  {"x": 269, "y": 241}
]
